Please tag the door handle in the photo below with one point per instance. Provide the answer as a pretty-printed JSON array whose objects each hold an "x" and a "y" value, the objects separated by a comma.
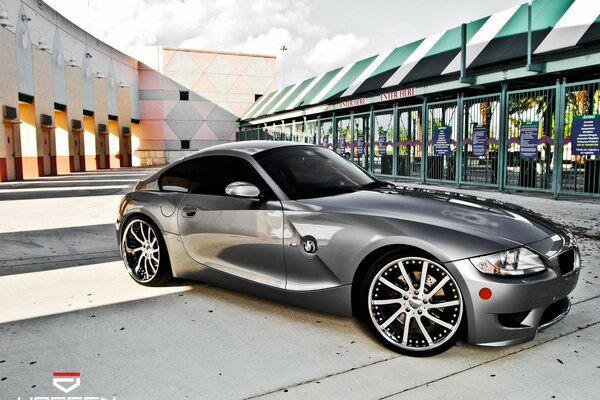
[{"x": 188, "y": 211}]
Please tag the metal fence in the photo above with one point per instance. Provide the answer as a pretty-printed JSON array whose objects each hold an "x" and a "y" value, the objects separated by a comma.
[{"x": 544, "y": 139}]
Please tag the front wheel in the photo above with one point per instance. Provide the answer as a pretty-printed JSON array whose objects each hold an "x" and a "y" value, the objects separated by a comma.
[
  {"x": 413, "y": 305},
  {"x": 144, "y": 253}
]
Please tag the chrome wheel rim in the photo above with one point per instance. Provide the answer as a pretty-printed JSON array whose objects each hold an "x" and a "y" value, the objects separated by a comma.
[
  {"x": 140, "y": 250},
  {"x": 415, "y": 304}
]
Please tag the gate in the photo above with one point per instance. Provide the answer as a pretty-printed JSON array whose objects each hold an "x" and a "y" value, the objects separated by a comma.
[
  {"x": 530, "y": 139},
  {"x": 481, "y": 140},
  {"x": 383, "y": 143},
  {"x": 343, "y": 139},
  {"x": 361, "y": 149},
  {"x": 442, "y": 128},
  {"x": 580, "y": 168},
  {"x": 409, "y": 142}
]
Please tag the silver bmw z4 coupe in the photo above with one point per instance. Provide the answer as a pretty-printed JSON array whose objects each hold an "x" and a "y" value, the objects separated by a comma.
[{"x": 300, "y": 224}]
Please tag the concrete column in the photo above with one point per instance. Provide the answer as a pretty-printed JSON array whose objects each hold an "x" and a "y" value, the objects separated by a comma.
[
  {"x": 101, "y": 117},
  {"x": 77, "y": 138},
  {"x": 45, "y": 140},
  {"x": 124, "y": 113}
]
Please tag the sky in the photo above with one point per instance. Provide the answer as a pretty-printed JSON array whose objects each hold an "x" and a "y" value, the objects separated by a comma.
[{"x": 320, "y": 35}]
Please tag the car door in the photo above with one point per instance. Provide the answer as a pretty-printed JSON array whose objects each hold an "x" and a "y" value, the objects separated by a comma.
[{"x": 240, "y": 236}]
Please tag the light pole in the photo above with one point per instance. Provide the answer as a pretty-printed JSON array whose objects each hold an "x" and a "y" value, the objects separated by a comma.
[
  {"x": 530, "y": 66},
  {"x": 283, "y": 49}
]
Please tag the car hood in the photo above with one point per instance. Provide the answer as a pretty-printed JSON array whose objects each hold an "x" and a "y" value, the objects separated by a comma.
[{"x": 454, "y": 211}]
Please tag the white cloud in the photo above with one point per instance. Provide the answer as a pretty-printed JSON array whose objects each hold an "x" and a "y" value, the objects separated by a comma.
[
  {"x": 197, "y": 42},
  {"x": 335, "y": 52},
  {"x": 319, "y": 35},
  {"x": 270, "y": 42},
  {"x": 258, "y": 26}
]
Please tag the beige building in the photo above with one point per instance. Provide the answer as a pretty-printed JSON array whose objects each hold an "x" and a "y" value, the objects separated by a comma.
[
  {"x": 190, "y": 99},
  {"x": 72, "y": 103}
]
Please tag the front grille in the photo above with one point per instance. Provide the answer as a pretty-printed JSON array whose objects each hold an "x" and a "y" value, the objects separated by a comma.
[{"x": 566, "y": 261}]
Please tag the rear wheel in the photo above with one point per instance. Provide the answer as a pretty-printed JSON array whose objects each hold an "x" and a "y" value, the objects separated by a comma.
[
  {"x": 144, "y": 253},
  {"x": 412, "y": 304}
]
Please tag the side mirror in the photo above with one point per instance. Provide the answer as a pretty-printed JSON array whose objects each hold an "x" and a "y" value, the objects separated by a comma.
[{"x": 242, "y": 189}]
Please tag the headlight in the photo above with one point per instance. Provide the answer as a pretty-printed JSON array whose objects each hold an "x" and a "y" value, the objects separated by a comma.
[
  {"x": 570, "y": 239},
  {"x": 517, "y": 262}
]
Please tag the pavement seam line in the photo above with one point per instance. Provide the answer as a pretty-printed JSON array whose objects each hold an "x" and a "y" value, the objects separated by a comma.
[
  {"x": 318, "y": 379},
  {"x": 585, "y": 300},
  {"x": 435, "y": 380},
  {"x": 579, "y": 328}
]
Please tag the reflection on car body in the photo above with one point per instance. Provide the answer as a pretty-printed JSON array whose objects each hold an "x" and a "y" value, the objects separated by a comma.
[{"x": 301, "y": 224}]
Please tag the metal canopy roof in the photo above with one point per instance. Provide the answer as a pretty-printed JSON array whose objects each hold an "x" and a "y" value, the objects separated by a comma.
[{"x": 556, "y": 25}]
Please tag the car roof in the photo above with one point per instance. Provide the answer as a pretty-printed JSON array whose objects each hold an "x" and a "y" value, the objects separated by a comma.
[{"x": 250, "y": 147}]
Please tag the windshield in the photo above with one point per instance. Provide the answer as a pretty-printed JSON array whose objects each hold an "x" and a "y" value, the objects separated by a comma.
[{"x": 309, "y": 171}]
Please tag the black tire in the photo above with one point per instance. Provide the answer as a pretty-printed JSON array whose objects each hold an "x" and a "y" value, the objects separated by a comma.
[
  {"x": 393, "y": 292},
  {"x": 144, "y": 252}
]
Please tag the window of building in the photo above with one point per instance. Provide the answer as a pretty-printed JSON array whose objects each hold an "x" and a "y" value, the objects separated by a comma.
[
  {"x": 185, "y": 145},
  {"x": 257, "y": 96},
  {"x": 184, "y": 95},
  {"x": 25, "y": 98}
]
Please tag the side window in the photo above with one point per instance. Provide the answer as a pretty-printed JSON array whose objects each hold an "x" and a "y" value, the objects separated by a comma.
[
  {"x": 211, "y": 175},
  {"x": 175, "y": 179}
]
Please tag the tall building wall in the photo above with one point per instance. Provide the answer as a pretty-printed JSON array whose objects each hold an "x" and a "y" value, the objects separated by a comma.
[
  {"x": 102, "y": 108},
  {"x": 9, "y": 128},
  {"x": 52, "y": 73}
]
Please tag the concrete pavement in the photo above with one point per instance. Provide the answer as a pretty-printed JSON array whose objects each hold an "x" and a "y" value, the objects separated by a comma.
[{"x": 65, "y": 312}]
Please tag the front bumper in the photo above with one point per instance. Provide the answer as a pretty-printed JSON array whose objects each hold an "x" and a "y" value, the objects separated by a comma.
[{"x": 518, "y": 307}]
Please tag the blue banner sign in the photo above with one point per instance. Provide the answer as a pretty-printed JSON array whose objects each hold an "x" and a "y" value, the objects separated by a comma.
[
  {"x": 480, "y": 136},
  {"x": 529, "y": 139},
  {"x": 360, "y": 139},
  {"x": 441, "y": 140},
  {"x": 341, "y": 145},
  {"x": 585, "y": 135},
  {"x": 382, "y": 142}
]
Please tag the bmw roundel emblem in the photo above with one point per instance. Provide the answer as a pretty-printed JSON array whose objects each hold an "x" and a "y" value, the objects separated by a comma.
[{"x": 309, "y": 245}]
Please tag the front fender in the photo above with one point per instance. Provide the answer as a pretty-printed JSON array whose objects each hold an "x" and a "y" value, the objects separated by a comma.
[{"x": 345, "y": 240}]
